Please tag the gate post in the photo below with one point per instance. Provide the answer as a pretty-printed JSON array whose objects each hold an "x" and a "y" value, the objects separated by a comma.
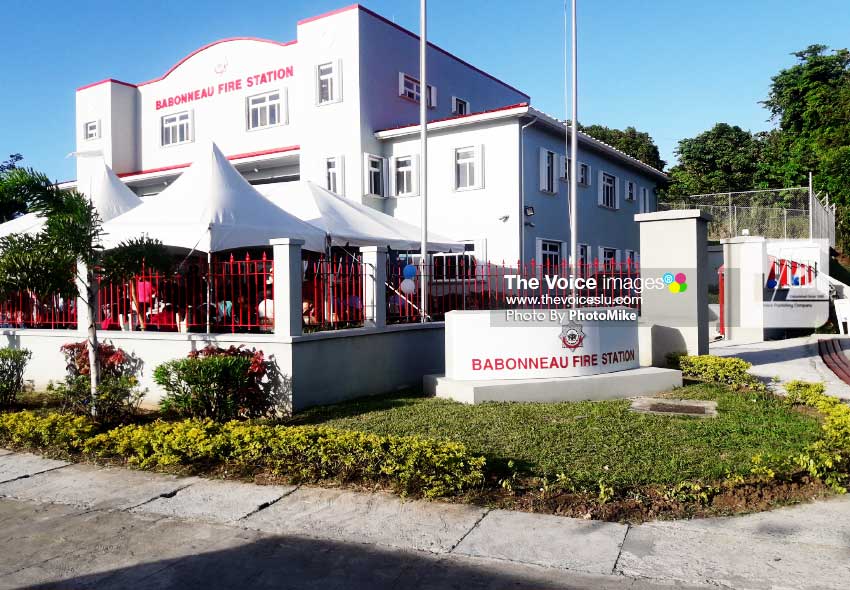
[
  {"x": 374, "y": 286},
  {"x": 287, "y": 286},
  {"x": 674, "y": 300},
  {"x": 744, "y": 259}
]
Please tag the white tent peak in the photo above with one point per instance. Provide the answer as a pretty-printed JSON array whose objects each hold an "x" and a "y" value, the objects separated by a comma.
[
  {"x": 349, "y": 222},
  {"x": 211, "y": 207},
  {"x": 109, "y": 195}
]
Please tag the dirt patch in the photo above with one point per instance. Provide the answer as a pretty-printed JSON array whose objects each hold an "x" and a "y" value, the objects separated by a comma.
[{"x": 655, "y": 503}]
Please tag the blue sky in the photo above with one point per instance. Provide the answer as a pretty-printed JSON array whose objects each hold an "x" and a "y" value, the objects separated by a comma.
[{"x": 669, "y": 67}]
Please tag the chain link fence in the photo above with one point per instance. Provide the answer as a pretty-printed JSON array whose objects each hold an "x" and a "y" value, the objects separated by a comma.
[{"x": 774, "y": 213}]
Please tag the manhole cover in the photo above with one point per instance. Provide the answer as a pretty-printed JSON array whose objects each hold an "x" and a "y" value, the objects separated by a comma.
[{"x": 675, "y": 407}]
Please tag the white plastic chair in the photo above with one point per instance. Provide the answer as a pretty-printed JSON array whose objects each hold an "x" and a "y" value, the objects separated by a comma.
[{"x": 842, "y": 314}]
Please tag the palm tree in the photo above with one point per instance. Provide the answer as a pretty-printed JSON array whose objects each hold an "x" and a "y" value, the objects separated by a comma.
[{"x": 64, "y": 257}]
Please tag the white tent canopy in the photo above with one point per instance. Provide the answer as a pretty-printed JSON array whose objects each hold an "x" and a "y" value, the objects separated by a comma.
[
  {"x": 211, "y": 207},
  {"x": 30, "y": 223},
  {"x": 349, "y": 222},
  {"x": 109, "y": 195}
]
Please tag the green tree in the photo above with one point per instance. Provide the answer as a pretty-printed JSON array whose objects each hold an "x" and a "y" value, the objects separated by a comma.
[
  {"x": 637, "y": 144},
  {"x": 10, "y": 205},
  {"x": 725, "y": 158},
  {"x": 64, "y": 257},
  {"x": 810, "y": 102}
]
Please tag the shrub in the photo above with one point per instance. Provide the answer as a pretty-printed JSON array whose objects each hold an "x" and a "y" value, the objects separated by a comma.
[
  {"x": 13, "y": 361},
  {"x": 214, "y": 387},
  {"x": 114, "y": 362},
  {"x": 223, "y": 384},
  {"x": 730, "y": 371},
  {"x": 118, "y": 393},
  {"x": 266, "y": 389},
  {"x": 829, "y": 457},
  {"x": 410, "y": 464},
  {"x": 117, "y": 397},
  {"x": 53, "y": 431}
]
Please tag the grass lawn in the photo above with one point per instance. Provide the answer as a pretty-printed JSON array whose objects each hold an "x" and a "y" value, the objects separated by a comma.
[{"x": 592, "y": 441}]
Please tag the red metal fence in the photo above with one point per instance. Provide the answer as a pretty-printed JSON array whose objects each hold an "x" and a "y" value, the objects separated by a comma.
[
  {"x": 457, "y": 283},
  {"x": 241, "y": 298},
  {"x": 25, "y": 309},
  {"x": 332, "y": 293}
]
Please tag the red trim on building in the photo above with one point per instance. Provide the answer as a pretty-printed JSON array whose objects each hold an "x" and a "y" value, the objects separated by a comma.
[
  {"x": 197, "y": 51},
  {"x": 113, "y": 80},
  {"x": 415, "y": 36},
  {"x": 505, "y": 108},
  {"x": 233, "y": 157}
]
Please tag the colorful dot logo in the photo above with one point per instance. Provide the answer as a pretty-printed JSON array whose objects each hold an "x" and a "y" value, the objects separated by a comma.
[{"x": 676, "y": 284}]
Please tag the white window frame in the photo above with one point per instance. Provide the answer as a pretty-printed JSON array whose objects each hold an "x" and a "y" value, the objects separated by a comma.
[
  {"x": 631, "y": 190},
  {"x": 190, "y": 127},
  {"x": 549, "y": 161},
  {"x": 565, "y": 168},
  {"x": 583, "y": 254},
  {"x": 470, "y": 266},
  {"x": 477, "y": 163},
  {"x": 409, "y": 88},
  {"x": 584, "y": 174},
  {"x": 542, "y": 245},
  {"x": 91, "y": 130},
  {"x": 335, "y": 82},
  {"x": 603, "y": 195},
  {"x": 282, "y": 104},
  {"x": 456, "y": 102},
  {"x": 603, "y": 250},
  {"x": 644, "y": 200},
  {"x": 412, "y": 168},
  {"x": 369, "y": 188},
  {"x": 338, "y": 172},
  {"x": 629, "y": 255}
]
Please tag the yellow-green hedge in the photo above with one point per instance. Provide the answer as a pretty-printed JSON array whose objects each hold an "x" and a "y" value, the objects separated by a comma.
[
  {"x": 410, "y": 464},
  {"x": 730, "y": 371},
  {"x": 829, "y": 457}
]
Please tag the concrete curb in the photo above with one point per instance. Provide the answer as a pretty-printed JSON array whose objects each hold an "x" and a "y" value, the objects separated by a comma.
[{"x": 804, "y": 547}]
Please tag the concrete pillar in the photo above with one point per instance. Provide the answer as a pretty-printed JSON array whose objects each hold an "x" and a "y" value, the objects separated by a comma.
[
  {"x": 374, "y": 286},
  {"x": 673, "y": 245},
  {"x": 745, "y": 260},
  {"x": 287, "y": 286},
  {"x": 82, "y": 306}
]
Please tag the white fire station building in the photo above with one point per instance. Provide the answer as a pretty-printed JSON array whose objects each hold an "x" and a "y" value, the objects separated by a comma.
[{"x": 340, "y": 105}]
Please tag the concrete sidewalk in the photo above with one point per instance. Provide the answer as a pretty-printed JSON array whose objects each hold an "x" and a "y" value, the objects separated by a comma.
[
  {"x": 76, "y": 526},
  {"x": 795, "y": 358}
]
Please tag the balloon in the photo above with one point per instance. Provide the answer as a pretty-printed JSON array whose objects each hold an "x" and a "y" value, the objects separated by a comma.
[
  {"x": 796, "y": 281},
  {"x": 408, "y": 286},
  {"x": 409, "y": 271},
  {"x": 771, "y": 284}
]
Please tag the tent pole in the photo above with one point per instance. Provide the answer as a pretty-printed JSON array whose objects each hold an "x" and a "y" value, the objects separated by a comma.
[{"x": 209, "y": 288}]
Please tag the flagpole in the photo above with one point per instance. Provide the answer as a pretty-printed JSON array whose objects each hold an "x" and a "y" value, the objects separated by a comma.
[
  {"x": 574, "y": 150},
  {"x": 423, "y": 158}
]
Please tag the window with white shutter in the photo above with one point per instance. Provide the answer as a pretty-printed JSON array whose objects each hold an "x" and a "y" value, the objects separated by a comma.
[{"x": 548, "y": 171}]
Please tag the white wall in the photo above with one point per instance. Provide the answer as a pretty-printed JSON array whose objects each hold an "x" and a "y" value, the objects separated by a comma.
[
  {"x": 325, "y": 367},
  {"x": 468, "y": 215}
]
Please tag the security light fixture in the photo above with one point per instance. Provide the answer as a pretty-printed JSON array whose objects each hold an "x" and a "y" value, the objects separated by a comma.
[{"x": 529, "y": 211}]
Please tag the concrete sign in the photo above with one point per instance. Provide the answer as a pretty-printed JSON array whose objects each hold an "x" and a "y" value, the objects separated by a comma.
[{"x": 531, "y": 344}]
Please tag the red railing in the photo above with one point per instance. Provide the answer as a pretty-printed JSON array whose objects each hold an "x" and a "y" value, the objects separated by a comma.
[
  {"x": 458, "y": 283},
  {"x": 332, "y": 293},
  {"x": 25, "y": 309},
  {"x": 241, "y": 298}
]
